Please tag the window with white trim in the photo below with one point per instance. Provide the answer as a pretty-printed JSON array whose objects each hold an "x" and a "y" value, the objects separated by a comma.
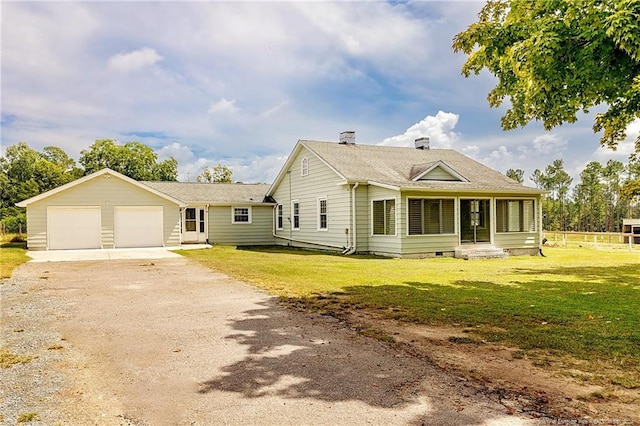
[
  {"x": 515, "y": 216},
  {"x": 279, "y": 217},
  {"x": 241, "y": 215},
  {"x": 295, "y": 215},
  {"x": 322, "y": 214},
  {"x": 430, "y": 216},
  {"x": 384, "y": 217},
  {"x": 304, "y": 166}
]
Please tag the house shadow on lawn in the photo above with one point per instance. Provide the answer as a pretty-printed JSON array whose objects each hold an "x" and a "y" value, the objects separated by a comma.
[
  {"x": 626, "y": 274},
  {"x": 295, "y": 355}
]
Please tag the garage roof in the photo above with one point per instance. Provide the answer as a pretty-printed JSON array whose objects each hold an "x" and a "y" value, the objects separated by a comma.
[{"x": 104, "y": 172}]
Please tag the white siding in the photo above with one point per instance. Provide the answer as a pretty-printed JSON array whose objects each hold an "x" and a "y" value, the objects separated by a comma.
[{"x": 106, "y": 193}]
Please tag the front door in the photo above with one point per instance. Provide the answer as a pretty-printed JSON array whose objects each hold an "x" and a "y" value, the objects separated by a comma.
[
  {"x": 193, "y": 225},
  {"x": 475, "y": 221}
]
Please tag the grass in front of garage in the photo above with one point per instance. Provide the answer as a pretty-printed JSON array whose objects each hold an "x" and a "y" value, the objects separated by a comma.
[{"x": 13, "y": 253}]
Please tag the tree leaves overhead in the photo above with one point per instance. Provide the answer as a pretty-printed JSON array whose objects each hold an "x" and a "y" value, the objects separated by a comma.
[
  {"x": 554, "y": 58},
  {"x": 216, "y": 174},
  {"x": 133, "y": 159}
]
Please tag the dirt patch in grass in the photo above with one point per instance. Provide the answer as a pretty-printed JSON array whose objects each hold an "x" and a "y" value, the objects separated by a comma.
[{"x": 558, "y": 386}]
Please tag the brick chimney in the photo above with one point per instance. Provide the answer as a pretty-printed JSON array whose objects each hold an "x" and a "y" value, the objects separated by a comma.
[
  {"x": 348, "y": 137},
  {"x": 422, "y": 143}
]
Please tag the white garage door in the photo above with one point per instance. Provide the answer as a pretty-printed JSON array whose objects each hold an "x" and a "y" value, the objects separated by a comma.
[
  {"x": 138, "y": 226},
  {"x": 76, "y": 227}
]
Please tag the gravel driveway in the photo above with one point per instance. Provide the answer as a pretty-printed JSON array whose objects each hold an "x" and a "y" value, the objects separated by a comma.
[{"x": 169, "y": 342}]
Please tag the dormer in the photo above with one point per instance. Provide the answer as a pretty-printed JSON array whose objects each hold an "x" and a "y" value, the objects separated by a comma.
[{"x": 437, "y": 171}]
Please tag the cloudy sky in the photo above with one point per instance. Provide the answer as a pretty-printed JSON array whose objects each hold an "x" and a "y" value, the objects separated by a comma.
[{"x": 240, "y": 82}]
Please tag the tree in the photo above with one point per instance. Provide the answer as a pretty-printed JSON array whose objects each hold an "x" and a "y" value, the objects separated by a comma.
[
  {"x": 517, "y": 175},
  {"x": 612, "y": 175},
  {"x": 133, "y": 159},
  {"x": 554, "y": 58},
  {"x": 25, "y": 172},
  {"x": 538, "y": 178},
  {"x": 215, "y": 174},
  {"x": 589, "y": 194},
  {"x": 558, "y": 182}
]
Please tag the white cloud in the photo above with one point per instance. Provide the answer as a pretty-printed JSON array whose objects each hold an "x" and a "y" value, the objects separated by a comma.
[
  {"x": 439, "y": 129},
  {"x": 223, "y": 105},
  {"x": 624, "y": 148},
  {"x": 549, "y": 143},
  {"x": 262, "y": 169},
  {"x": 498, "y": 158},
  {"x": 272, "y": 111},
  {"x": 134, "y": 60}
]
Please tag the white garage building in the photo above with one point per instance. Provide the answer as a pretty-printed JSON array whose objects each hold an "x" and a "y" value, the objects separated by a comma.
[
  {"x": 109, "y": 210},
  {"x": 102, "y": 210}
]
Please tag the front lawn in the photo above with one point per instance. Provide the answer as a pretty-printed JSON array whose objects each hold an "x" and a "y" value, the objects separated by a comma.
[
  {"x": 12, "y": 254},
  {"x": 581, "y": 302}
]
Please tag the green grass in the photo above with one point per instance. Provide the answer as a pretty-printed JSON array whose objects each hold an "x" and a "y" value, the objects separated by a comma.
[
  {"x": 12, "y": 254},
  {"x": 580, "y": 302}
]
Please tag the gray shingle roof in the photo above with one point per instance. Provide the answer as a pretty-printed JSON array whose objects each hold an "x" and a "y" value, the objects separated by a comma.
[
  {"x": 396, "y": 166},
  {"x": 212, "y": 193}
]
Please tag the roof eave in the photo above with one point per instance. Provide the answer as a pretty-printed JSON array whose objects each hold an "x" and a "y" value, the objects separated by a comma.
[{"x": 54, "y": 191}]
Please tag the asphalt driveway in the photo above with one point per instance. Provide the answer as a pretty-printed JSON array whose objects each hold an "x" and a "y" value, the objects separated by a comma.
[{"x": 168, "y": 342}]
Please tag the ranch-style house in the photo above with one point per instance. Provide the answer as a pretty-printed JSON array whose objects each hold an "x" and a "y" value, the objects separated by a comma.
[{"x": 340, "y": 196}]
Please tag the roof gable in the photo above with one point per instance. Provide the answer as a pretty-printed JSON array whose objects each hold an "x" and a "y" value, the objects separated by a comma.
[
  {"x": 438, "y": 171},
  {"x": 415, "y": 169},
  {"x": 107, "y": 173},
  {"x": 300, "y": 145}
]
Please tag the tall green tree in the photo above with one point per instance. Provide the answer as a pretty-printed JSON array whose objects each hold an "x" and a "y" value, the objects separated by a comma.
[
  {"x": 630, "y": 189},
  {"x": 558, "y": 181},
  {"x": 612, "y": 176},
  {"x": 517, "y": 175},
  {"x": 216, "y": 174},
  {"x": 133, "y": 159},
  {"x": 25, "y": 172},
  {"x": 554, "y": 58},
  {"x": 589, "y": 195}
]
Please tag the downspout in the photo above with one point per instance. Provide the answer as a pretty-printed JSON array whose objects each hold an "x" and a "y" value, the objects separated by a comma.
[
  {"x": 354, "y": 235},
  {"x": 540, "y": 230},
  {"x": 206, "y": 223}
]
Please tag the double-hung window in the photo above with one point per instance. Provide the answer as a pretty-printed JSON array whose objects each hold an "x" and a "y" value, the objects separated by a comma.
[
  {"x": 384, "y": 217},
  {"x": 429, "y": 216},
  {"x": 279, "y": 217},
  {"x": 322, "y": 214},
  {"x": 241, "y": 215},
  {"x": 515, "y": 216},
  {"x": 304, "y": 167},
  {"x": 295, "y": 214}
]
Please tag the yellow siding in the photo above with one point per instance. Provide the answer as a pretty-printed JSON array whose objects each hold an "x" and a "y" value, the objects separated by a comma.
[
  {"x": 106, "y": 193},
  {"x": 385, "y": 244},
  {"x": 320, "y": 182},
  {"x": 259, "y": 232}
]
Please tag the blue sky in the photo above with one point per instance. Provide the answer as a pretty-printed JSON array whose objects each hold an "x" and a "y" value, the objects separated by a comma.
[{"x": 240, "y": 82}]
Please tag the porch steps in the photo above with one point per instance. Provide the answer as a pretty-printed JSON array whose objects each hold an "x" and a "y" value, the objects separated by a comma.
[{"x": 480, "y": 252}]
